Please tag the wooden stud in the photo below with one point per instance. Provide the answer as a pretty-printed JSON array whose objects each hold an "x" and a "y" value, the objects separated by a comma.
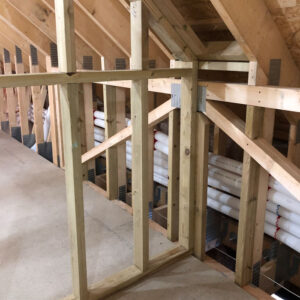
[
  {"x": 201, "y": 185},
  {"x": 173, "y": 174},
  {"x": 37, "y": 100},
  {"x": 71, "y": 126},
  {"x": 219, "y": 141},
  {"x": 53, "y": 114},
  {"x": 3, "y": 107},
  {"x": 154, "y": 117},
  {"x": 11, "y": 98},
  {"x": 121, "y": 124},
  {"x": 109, "y": 98},
  {"x": 23, "y": 97},
  {"x": 187, "y": 157},
  {"x": 261, "y": 150},
  {"x": 139, "y": 117},
  {"x": 294, "y": 147}
]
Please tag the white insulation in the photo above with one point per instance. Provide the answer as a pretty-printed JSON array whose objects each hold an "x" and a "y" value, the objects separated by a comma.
[{"x": 282, "y": 219}]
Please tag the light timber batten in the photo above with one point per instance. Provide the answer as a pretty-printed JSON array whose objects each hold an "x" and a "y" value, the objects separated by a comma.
[
  {"x": 154, "y": 117},
  {"x": 201, "y": 185},
  {"x": 139, "y": 117},
  {"x": 72, "y": 149},
  {"x": 188, "y": 110}
]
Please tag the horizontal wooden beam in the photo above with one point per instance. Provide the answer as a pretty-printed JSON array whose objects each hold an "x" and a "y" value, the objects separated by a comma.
[
  {"x": 154, "y": 117},
  {"x": 262, "y": 96},
  {"x": 19, "y": 80},
  {"x": 260, "y": 150},
  {"x": 132, "y": 274}
]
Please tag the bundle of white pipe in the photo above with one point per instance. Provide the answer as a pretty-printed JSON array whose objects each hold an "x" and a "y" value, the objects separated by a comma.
[{"x": 283, "y": 210}]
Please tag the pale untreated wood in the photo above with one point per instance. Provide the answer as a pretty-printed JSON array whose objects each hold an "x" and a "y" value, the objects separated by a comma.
[
  {"x": 173, "y": 173},
  {"x": 201, "y": 185},
  {"x": 189, "y": 91},
  {"x": 154, "y": 117},
  {"x": 23, "y": 101},
  {"x": 139, "y": 119},
  {"x": 261, "y": 150},
  {"x": 109, "y": 99},
  {"x": 72, "y": 149}
]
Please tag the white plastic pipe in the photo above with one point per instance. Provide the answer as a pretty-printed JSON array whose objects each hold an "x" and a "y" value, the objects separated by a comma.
[
  {"x": 99, "y": 115},
  {"x": 161, "y": 147},
  {"x": 99, "y": 122},
  {"x": 270, "y": 229},
  {"x": 161, "y": 137}
]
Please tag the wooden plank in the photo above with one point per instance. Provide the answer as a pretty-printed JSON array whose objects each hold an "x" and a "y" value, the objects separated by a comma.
[
  {"x": 294, "y": 147},
  {"x": 263, "y": 152},
  {"x": 173, "y": 174},
  {"x": 11, "y": 98},
  {"x": 53, "y": 113},
  {"x": 261, "y": 96},
  {"x": 73, "y": 171},
  {"x": 90, "y": 76},
  {"x": 23, "y": 98},
  {"x": 139, "y": 117},
  {"x": 165, "y": 30},
  {"x": 219, "y": 141},
  {"x": 3, "y": 107},
  {"x": 86, "y": 30},
  {"x": 201, "y": 185},
  {"x": 151, "y": 105},
  {"x": 250, "y": 192},
  {"x": 38, "y": 105},
  {"x": 154, "y": 117},
  {"x": 132, "y": 274},
  {"x": 189, "y": 90},
  {"x": 253, "y": 27},
  {"x": 121, "y": 124},
  {"x": 109, "y": 99}
]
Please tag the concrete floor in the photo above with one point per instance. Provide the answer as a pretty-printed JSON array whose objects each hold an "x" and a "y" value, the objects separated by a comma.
[{"x": 34, "y": 244}]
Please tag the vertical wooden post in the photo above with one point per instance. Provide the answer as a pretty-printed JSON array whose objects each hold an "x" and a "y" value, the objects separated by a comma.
[
  {"x": 151, "y": 105},
  {"x": 64, "y": 12},
  {"x": 294, "y": 147},
  {"x": 23, "y": 99},
  {"x": 189, "y": 86},
  {"x": 139, "y": 117},
  {"x": 121, "y": 123},
  {"x": 173, "y": 171},
  {"x": 2, "y": 105},
  {"x": 10, "y": 95},
  {"x": 219, "y": 141},
  {"x": 89, "y": 117},
  {"x": 254, "y": 189},
  {"x": 38, "y": 102},
  {"x": 201, "y": 185},
  {"x": 53, "y": 113},
  {"x": 109, "y": 97}
]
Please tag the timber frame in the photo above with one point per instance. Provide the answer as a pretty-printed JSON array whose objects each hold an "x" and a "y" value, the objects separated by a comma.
[{"x": 188, "y": 216}]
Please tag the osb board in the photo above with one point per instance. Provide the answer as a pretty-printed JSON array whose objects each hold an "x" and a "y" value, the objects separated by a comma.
[{"x": 286, "y": 14}]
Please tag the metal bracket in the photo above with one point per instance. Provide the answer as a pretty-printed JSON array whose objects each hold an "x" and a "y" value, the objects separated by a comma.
[
  {"x": 274, "y": 72},
  {"x": 298, "y": 133},
  {"x": 16, "y": 133},
  {"x": 120, "y": 64},
  {"x": 122, "y": 193},
  {"x": 256, "y": 273},
  {"x": 45, "y": 150},
  {"x": 91, "y": 175},
  {"x": 34, "y": 56},
  {"x": 87, "y": 62},
  {"x": 29, "y": 140},
  {"x": 19, "y": 55},
  {"x": 53, "y": 55},
  {"x": 176, "y": 97},
  {"x": 6, "y": 56}
]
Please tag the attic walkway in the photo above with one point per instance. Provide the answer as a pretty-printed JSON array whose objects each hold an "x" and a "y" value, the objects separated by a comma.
[{"x": 34, "y": 245}]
